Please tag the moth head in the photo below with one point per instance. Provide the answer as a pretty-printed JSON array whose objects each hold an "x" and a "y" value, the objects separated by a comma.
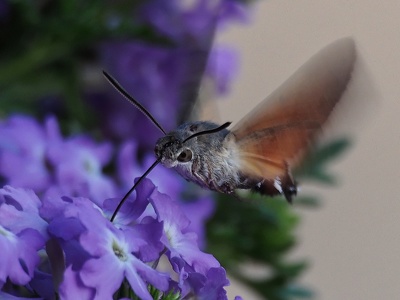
[
  {"x": 171, "y": 151},
  {"x": 177, "y": 146}
]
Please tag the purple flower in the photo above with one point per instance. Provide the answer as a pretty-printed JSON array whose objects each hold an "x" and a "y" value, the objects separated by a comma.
[
  {"x": 114, "y": 250},
  {"x": 192, "y": 265},
  {"x": 178, "y": 240},
  {"x": 84, "y": 246},
  {"x": 107, "y": 248},
  {"x": 22, "y": 234}
]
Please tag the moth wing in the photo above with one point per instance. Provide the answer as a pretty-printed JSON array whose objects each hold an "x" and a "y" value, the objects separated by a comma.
[{"x": 276, "y": 134}]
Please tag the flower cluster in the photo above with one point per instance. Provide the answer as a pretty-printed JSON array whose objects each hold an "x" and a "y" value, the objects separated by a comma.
[
  {"x": 67, "y": 246},
  {"x": 38, "y": 157}
]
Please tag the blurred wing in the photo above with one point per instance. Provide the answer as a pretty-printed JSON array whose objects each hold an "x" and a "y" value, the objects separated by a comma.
[
  {"x": 195, "y": 54},
  {"x": 276, "y": 134}
]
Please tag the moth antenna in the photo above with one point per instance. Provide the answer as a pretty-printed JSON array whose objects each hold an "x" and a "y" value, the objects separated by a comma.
[
  {"x": 139, "y": 106},
  {"x": 133, "y": 188},
  {"x": 223, "y": 126}
]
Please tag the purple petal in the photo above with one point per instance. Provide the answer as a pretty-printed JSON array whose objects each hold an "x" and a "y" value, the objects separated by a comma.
[
  {"x": 198, "y": 212},
  {"x": 19, "y": 210},
  {"x": 214, "y": 287},
  {"x": 19, "y": 255},
  {"x": 145, "y": 240},
  {"x": 96, "y": 273},
  {"x": 138, "y": 285},
  {"x": 73, "y": 288},
  {"x": 180, "y": 244},
  {"x": 157, "y": 279},
  {"x": 169, "y": 211}
]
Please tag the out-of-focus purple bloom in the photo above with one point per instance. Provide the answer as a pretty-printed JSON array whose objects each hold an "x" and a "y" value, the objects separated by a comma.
[
  {"x": 22, "y": 234},
  {"x": 163, "y": 79},
  {"x": 180, "y": 21},
  {"x": 193, "y": 21},
  {"x": 166, "y": 78},
  {"x": 153, "y": 76},
  {"x": 222, "y": 66},
  {"x": 38, "y": 157},
  {"x": 22, "y": 153},
  {"x": 198, "y": 212},
  {"x": 233, "y": 10},
  {"x": 78, "y": 164}
]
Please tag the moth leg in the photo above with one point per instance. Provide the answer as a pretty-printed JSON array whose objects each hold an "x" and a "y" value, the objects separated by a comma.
[
  {"x": 225, "y": 188},
  {"x": 202, "y": 180}
]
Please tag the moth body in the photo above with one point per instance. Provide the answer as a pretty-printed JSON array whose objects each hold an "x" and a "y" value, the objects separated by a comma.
[{"x": 213, "y": 161}]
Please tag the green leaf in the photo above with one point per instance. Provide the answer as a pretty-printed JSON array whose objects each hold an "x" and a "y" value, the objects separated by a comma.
[{"x": 314, "y": 165}]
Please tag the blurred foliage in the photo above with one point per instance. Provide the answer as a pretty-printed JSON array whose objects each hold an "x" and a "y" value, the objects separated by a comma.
[
  {"x": 314, "y": 165},
  {"x": 46, "y": 45}
]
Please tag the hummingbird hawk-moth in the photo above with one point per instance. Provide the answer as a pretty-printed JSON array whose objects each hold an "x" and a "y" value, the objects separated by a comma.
[{"x": 260, "y": 151}]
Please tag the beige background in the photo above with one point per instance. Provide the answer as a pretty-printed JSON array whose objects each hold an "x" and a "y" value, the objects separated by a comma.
[{"x": 353, "y": 240}]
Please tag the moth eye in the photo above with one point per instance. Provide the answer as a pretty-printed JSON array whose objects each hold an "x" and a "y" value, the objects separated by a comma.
[{"x": 185, "y": 156}]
